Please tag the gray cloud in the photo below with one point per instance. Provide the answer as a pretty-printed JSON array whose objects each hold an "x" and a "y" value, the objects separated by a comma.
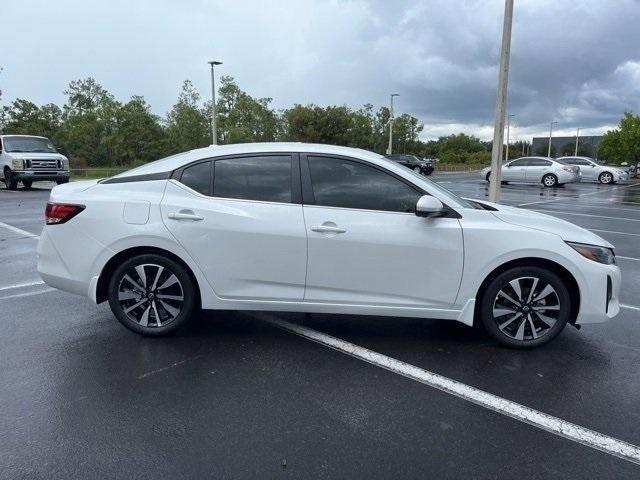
[{"x": 575, "y": 62}]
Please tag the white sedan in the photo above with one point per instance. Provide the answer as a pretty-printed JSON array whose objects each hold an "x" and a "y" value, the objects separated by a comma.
[
  {"x": 317, "y": 228},
  {"x": 596, "y": 172},
  {"x": 549, "y": 172}
]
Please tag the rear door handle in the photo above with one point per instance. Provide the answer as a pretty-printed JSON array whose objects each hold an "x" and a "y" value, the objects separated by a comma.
[
  {"x": 185, "y": 215},
  {"x": 327, "y": 229}
]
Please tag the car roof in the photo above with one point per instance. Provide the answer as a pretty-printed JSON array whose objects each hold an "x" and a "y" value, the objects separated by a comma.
[
  {"x": 17, "y": 135},
  {"x": 176, "y": 161}
]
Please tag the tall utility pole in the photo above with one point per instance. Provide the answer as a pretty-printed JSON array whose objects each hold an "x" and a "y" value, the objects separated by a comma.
[
  {"x": 550, "y": 135},
  {"x": 575, "y": 154},
  {"x": 501, "y": 104},
  {"x": 214, "y": 134},
  {"x": 389, "y": 148},
  {"x": 506, "y": 153}
]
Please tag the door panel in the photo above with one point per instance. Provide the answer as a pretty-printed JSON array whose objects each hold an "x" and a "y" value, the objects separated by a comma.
[
  {"x": 247, "y": 249},
  {"x": 382, "y": 258},
  {"x": 514, "y": 173},
  {"x": 535, "y": 171}
]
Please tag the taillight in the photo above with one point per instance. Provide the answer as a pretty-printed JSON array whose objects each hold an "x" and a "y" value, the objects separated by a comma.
[{"x": 57, "y": 213}]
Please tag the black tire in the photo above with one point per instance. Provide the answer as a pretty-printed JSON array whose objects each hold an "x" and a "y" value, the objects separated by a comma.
[
  {"x": 505, "y": 329},
  {"x": 27, "y": 184},
  {"x": 488, "y": 177},
  {"x": 142, "y": 319},
  {"x": 418, "y": 170},
  {"x": 605, "y": 178},
  {"x": 9, "y": 180},
  {"x": 64, "y": 180},
  {"x": 550, "y": 180}
]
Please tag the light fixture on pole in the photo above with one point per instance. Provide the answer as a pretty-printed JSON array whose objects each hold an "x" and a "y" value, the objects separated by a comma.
[
  {"x": 575, "y": 154},
  {"x": 506, "y": 158},
  {"x": 501, "y": 104},
  {"x": 214, "y": 135},
  {"x": 389, "y": 148},
  {"x": 550, "y": 135}
]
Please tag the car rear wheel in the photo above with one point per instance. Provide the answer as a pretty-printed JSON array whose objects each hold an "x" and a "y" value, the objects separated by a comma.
[
  {"x": 550, "y": 180},
  {"x": 27, "y": 184},
  {"x": 525, "y": 307},
  {"x": 488, "y": 177},
  {"x": 10, "y": 180},
  {"x": 152, "y": 295},
  {"x": 605, "y": 178},
  {"x": 417, "y": 169}
]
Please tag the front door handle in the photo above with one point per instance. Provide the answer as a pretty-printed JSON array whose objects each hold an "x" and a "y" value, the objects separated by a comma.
[
  {"x": 327, "y": 229},
  {"x": 185, "y": 215}
]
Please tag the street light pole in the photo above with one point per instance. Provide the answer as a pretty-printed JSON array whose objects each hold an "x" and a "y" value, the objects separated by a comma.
[
  {"x": 550, "y": 135},
  {"x": 575, "y": 154},
  {"x": 389, "y": 148},
  {"x": 501, "y": 104},
  {"x": 214, "y": 134},
  {"x": 506, "y": 159}
]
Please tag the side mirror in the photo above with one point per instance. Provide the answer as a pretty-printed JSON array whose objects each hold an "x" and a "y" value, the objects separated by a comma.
[{"x": 429, "y": 206}]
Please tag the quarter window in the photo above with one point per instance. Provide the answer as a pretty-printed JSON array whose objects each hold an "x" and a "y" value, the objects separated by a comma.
[
  {"x": 521, "y": 162},
  {"x": 198, "y": 177},
  {"x": 343, "y": 183},
  {"x": 262, "y": 178}
]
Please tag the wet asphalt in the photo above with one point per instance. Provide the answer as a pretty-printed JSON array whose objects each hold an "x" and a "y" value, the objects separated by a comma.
[{"x": 231, "y": 396}]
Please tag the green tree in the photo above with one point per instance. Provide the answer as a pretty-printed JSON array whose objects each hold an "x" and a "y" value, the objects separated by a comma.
[
  {"x": 26, "y": 118},
  {"x": 584, "y": 149},
  {"x": 188, "y": 125},
  {"x": 543, "y": 149},
  {"x": 622, "y": 144},
  {"x": 242, "y": 118}
]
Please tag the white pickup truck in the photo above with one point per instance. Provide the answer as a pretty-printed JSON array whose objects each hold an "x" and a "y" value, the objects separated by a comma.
[{"x": 28, "y": 159}]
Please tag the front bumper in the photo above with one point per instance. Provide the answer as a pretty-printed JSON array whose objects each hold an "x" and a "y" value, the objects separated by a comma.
[
  {"x": 41, "y": 175},
  {"x": 600, "y": 295}
]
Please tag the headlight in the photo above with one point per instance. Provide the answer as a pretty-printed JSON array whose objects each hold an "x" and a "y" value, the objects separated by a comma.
[
  {"x": 17, "y": 164},
  {"x": 65, "y": 164},
  {"x": 592, "y": 252}
]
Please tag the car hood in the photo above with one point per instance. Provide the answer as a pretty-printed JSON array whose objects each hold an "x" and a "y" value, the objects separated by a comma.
[{"x": 546, "y": 223}]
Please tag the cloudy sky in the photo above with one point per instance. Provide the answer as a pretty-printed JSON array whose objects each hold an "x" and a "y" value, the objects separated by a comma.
[{"x": 573, "y": 61}]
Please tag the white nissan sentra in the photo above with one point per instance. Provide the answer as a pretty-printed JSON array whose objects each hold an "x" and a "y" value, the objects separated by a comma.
[{"x": 317, "y": 228}]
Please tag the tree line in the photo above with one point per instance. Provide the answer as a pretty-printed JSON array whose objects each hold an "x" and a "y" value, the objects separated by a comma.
[{"x": 95, "y": 129}]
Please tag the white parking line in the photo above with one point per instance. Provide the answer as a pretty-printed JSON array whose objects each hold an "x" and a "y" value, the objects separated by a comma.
[
  {"x": 28, "y": 294},
  {"x": 19, "y": 231},
  {"x": 615, "y": 232},
  {"x": 549, "y": 423},
  {"x": 630, "y": 307},
  {"x": 628, "y": 258},
  {"x": 586, "y": 215},
  {"x": 599, "y": 192},
  {"x": 21, "y": 285}
]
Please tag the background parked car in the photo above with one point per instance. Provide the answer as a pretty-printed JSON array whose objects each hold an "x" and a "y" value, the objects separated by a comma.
[
  {"x": 596, "y": 172},
  {"x": 424, "y": 167},
  {"x": 536, "y": 170},
  {"x": 28, "y": 159}
]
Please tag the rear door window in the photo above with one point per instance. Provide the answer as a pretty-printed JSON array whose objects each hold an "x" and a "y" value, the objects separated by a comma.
[
  {"x": 265, "y": 178},
  {"x": 198, "y": 177}
]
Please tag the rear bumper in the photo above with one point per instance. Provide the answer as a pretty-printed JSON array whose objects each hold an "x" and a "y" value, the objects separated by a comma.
[{"x": 37, "y": 175}]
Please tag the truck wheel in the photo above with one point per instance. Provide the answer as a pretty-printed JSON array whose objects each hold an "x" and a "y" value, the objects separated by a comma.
[
  {"x": 9, "y": 180},
  {"x": 61, "y": 181},
  {"x": 27, "y": 184}
]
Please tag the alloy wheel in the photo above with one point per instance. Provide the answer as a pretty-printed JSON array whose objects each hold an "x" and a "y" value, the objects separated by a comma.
[
  {"x": 606, "y": 177},
  {"x": 151, "y": 295},
  {"x": 526, "y": 308},
  {"x": 549, "y": 180}
]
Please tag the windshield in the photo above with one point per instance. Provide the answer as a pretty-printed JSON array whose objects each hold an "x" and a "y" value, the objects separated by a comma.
[{"x": 28, "y": 144}]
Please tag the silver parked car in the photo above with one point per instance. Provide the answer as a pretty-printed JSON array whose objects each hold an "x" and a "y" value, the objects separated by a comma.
[
  {"x": 543, "y": 170},
  {"x": 596, "y": 172}
]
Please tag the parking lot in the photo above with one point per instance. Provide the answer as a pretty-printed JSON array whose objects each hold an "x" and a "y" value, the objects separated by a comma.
[{"x": 263, "y": 395}]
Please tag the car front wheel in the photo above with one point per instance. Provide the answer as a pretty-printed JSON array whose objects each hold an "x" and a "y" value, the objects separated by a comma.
[
  {"x": 605, "y": 178},
  {"x": 525, "y": 307},
  {"x": 152, "y": 295},
  {"x": 10, "y": 180}
]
